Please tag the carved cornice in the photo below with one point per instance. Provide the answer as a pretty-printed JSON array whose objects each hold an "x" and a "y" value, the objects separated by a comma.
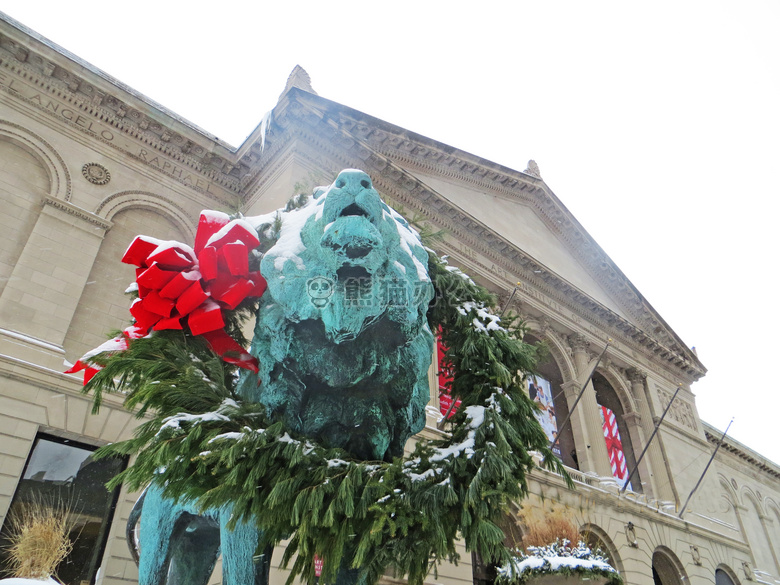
[
  {"x": 550, "y": 211},
  {"x": 120, "y": 109},
  {"x": 82, "y": 214},
  {"x": 423, "y": 154},
  {"x": 713, "y": 437}
]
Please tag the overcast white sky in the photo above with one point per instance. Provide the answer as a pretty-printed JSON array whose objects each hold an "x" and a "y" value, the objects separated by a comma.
[{"x": 656, "y": 123}]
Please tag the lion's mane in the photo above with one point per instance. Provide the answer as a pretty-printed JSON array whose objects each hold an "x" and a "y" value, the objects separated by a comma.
[{"x": 341, "y": 333}]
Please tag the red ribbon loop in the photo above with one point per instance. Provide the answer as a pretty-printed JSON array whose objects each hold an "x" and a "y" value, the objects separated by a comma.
[{"x": 178, "y": 283}]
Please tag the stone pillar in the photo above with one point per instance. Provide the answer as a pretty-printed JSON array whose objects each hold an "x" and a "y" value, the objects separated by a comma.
[
  {"x": 432, "y": 412},
  {"x": 655, "y": 471},
  {"x": 596, "y": 458},
  {"x": 40, "y": 299},
  {"x": 643, "y": 475},
  {"x": 579, "y": 429}
]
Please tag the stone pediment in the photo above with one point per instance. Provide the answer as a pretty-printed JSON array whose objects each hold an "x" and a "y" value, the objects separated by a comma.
[
  {"x": 521, "y": 224},
  {"x": 510, "y": 216}
]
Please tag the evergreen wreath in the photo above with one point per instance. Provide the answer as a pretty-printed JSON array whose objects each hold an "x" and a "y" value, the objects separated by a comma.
[{"x": 203, "y": 442}]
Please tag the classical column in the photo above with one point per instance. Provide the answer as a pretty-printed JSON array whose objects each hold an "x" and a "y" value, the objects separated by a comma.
[
  {"x": 596, "y": 458},
  {"x": 40, "y": 299},
  {"x": 643, "y": 475},
  {"x": 657, "y": 478},
  {"x": 579, "y": 429}
]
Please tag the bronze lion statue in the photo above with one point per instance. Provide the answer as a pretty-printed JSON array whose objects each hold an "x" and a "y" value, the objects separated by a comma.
[{"x": 344, "y": 347}]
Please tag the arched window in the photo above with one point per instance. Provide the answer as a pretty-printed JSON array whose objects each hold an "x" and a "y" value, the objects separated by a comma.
[
  {"x": 723, "y": 578},
  {"x": 667, "y": 569},
  {"x": 597, "y": 539},
  {"x": 546, "y": 390},
  {"x": 61, "y": 477},
  {"x": 616, "y": 433}
]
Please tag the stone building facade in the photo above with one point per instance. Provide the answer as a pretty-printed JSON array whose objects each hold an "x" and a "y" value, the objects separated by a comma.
[{"x": 86, "y": 164}]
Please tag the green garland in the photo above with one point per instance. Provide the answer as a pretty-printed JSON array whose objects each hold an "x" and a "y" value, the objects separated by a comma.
[{"x": 204, "y": 442}]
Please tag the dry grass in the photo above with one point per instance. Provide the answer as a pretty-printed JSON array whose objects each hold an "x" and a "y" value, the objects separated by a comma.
[
  {"x": 38, "y": 539},
  {"x": 543, "y": 526}
]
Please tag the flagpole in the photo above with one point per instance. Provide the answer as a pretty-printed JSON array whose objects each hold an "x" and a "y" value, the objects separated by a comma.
[
  {"x": 501, "y": 316},
  {"x": 705, "y": 469},
  {"x": 647, "y": 445}
]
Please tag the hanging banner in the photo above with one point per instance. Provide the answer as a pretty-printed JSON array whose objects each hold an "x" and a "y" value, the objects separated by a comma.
[
  {"x": 540, "y": 391},
  {"x": 614, "y": 445},
  {"x": 445, "y": 384}
]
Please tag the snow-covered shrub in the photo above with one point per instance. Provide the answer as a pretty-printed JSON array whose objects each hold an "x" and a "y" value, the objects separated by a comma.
[{"x": 557, "y": 558}]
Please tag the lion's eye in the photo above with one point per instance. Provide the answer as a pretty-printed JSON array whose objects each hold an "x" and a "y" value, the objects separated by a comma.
[
  {"x": 365, "y": 184},
  {"x": 340, "y": 183}
]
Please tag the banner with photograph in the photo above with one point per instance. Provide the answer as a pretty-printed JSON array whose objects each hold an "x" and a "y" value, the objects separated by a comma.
[{"x": 540, "y": 391}]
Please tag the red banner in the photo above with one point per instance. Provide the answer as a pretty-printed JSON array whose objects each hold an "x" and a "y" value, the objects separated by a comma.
[
  {"x": 614, "y": 445},
  {"x": 445, "y": 384}
]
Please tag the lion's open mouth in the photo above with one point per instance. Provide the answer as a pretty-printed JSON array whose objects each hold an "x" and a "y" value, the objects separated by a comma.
[
  {"x": 352, "y": 273},
  {"x": 354, "y": 209}
]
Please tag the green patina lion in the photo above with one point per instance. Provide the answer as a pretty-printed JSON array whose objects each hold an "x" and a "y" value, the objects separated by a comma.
[{"x": 344, "y": 348}]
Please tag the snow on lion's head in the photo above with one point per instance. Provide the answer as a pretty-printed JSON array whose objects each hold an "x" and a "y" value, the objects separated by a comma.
[{"x": 341, "y": 332}]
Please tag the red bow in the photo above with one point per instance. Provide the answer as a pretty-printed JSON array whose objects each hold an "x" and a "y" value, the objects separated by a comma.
[
  {"x": 614, "y": 446},
  {"x": 176, "y": 283}
]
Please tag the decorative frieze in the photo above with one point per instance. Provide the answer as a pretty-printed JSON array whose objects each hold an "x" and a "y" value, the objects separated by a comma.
[
  {"x": 55, "y": 90},
  {"x": 681, "y": 411}
]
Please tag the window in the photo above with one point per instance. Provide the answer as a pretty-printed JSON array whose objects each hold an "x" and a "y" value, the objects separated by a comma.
[
  {"x": 616, "y": 433},
  {"x": 61, "y": 473},
  {"x": 722, "y": 578},
  {"x": 555, "y": 408}
]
